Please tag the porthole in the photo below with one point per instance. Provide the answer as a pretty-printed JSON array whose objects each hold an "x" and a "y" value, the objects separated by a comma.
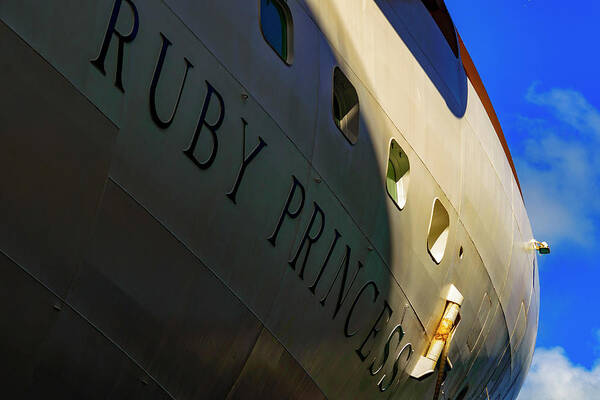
[
  {"x": 345, "y": 106},
  {"x": 276, "y": 26},
  {"x": 439, "y": 229},
  {"x": 398, "y": 175}
]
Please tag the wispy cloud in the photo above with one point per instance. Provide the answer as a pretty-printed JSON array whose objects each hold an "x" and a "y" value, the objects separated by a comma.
[
  {"x": 559, "y": 168},
  {"x": 569, "y": 106},
  {"x": 554, "y": 377}
]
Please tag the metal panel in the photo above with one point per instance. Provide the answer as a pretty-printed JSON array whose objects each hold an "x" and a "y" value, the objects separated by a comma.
[
  {"x": 479, "y": 324},
  {"x": 27, "y": 318},
  {"x": 271, "y": 373},
  {"x": 486, "y": 361},
  {"x": 351, "y": 171},
  {"x": 68, "y": 35},
  {"x": 55, "y": 152},
  {"x": 471, "y": 277},
  {"x": 76, "y": 361},
  {"x": 49, "y": 351},
  {"x": 517, "y": 292},
  {"x": 149, "y": 294},
  {"x": 230, "y": 30},
  {"x": 490, "y": 226}
]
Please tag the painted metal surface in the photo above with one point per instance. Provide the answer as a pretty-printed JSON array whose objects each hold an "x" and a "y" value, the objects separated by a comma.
[{"x": 183, "y": 219}]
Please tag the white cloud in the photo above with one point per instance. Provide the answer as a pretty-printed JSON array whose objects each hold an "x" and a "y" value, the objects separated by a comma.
[
  {"x": 554, "y": 377},
  {"x": 569, "y": 106},
  {"x": 559, "y": 169},
  {"x": 559, "y": 189}
]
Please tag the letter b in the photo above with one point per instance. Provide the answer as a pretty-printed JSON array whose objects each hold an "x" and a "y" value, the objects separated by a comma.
[{"x": 212, "y": 128}]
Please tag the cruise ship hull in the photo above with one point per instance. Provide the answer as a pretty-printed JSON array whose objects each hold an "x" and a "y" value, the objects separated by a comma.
[{"x": 183, "y": 219}]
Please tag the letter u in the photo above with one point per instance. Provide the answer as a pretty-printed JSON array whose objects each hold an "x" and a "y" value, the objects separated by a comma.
[{"x": 157, "y": 73}]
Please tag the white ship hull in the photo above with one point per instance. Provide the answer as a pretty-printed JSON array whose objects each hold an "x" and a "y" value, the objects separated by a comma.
[{"x": 149, "y": 257}]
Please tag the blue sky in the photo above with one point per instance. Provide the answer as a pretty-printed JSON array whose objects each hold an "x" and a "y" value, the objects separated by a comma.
[{"x": 539, "y": 61}]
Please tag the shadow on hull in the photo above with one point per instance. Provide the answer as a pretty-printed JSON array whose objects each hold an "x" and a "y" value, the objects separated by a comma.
[{"x": 419, "y": 32}]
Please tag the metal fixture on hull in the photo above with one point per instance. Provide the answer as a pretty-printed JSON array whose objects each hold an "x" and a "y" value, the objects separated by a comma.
[
  {"x": 443, "y": 335},
  {"x": 541, "y": 247}
]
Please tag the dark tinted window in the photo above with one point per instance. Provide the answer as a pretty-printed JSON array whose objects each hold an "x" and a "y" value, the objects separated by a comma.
[
  {"x": 345, "y": 106},
  {"x": 440, "y": 14},
  {"x": 276, "y": 24}
]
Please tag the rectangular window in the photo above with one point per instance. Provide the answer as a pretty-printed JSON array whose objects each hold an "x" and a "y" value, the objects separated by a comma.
[
  {"x": 439, "y": 229},
  {"x": 276, "y": 27},
  {"x": 345, "y": 106},
  {"x": 398, "y": 174}
]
